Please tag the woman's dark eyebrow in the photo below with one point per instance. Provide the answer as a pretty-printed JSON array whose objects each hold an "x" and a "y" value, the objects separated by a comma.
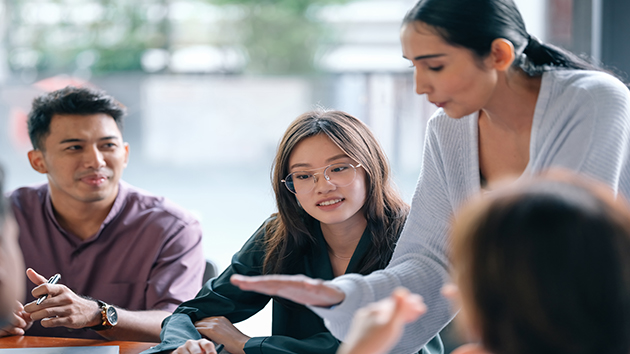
[
  {"x": 304, "y": 165},
  {"x": 336, "y": 157},
  {"x": 428, "y": 56}
]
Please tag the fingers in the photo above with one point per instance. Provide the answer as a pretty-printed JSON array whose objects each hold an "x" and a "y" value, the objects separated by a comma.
[
  {"x": 62, "y": 320},
  {"x": 11, "y": 331},
  {"x": 57, "y": 295},
  {"x": 19, "y": 322},
  {"x": 42, "y": 288},
  {"x": 297, "y": 288},
  {"x": 50, "y": 313},
  {"x": 201, "y": 346},
  {"x": 52, "y": 290},
  {"x": 270, "y": 284},
  {"x": 407, "y": 306},
  {"x": 18, "y": 307},
  {"x": 450, "y": 291},
  {"x": 211, "y": 320},
  {"x": 64, "y": 308},
  {"x": 265, "y": 284},
  {"x": 35, "y": 277},
  {"x": 472, "y": 348}
]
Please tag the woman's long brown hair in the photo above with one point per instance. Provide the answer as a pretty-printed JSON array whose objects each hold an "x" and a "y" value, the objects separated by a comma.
[
  {"x": 544, "y": 267},
  {"x": 287, "y": 235}
]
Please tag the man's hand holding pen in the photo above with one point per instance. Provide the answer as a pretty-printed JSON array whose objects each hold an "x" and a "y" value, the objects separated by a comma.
[{"x": 61, "y": 307}]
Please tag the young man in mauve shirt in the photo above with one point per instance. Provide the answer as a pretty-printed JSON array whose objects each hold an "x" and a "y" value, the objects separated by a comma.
[{"x": 126, "y": 258}]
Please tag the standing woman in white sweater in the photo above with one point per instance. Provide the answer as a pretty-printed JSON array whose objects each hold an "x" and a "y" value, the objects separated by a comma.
[{"x": 510, "y": 106}]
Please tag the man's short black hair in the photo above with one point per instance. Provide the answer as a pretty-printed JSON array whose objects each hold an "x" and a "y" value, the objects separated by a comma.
[{"x": 69, "y": 100}]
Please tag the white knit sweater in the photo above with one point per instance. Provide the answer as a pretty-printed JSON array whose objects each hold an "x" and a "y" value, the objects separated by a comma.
[{"x": 581, "y": 122}]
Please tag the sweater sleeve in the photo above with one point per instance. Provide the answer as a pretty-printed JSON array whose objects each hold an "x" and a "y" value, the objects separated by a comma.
[
  {"x": 218, "y": 297},
  {"x": 419, "y": 261}
]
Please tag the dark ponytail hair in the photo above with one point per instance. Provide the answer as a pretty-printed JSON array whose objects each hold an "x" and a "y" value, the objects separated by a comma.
[{"x": 475, "y": 24}]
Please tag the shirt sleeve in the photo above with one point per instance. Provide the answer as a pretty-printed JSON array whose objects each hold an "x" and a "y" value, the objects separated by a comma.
[
  {"x": 218, "y": 297},
  {"x": 177, "y": 274},
  {"x": 321, "y": 343},
  {"x": 419, "y": 261}
]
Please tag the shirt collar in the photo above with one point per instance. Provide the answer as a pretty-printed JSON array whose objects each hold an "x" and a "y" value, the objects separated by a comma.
[
  {"x": 360, "y": 251},
  {"x": 119, "y": 202}
]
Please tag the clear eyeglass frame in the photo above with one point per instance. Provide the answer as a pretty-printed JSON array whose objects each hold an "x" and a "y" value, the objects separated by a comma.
[{"x": 289, "y": 183}]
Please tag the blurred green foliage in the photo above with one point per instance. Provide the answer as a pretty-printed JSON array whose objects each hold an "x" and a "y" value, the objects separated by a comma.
[
  {"x": 281, "y": 36},
  {"x": 296, "y": 7},
  {"x": 50, "y": 36},
  {"x": 54, "y": 36}
]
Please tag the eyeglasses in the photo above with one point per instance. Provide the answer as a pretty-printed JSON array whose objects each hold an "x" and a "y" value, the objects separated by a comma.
[{"x": 339, "y": 174}]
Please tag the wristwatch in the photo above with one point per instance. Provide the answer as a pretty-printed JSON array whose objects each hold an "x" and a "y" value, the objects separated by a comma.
[{"x": 109, "y": 316}]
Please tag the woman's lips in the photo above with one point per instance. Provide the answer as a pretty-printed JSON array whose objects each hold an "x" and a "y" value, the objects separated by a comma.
[
  {"x": 440, "y": 104},
  {"x": 330, "y": 202}
]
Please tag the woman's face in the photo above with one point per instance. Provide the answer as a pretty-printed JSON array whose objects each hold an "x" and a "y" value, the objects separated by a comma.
[
  {"x": 451, "y": 77},
  {"x": 328, "y": 203}
]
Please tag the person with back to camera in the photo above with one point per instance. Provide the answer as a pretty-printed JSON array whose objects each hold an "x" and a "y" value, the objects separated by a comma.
[
  {"x": 509, "y": 105},
  {"x": 126, "y": 258},
  {"x": 338, "y": 213},
  {"x": 11, "y": 262},
  {"x": 541, "y": 268}
]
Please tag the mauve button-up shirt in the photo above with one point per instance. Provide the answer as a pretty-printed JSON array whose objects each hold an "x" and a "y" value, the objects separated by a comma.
[{"x": 147, "y": 255}]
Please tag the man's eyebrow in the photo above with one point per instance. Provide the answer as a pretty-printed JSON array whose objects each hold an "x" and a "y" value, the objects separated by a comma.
[
  {"x": 428, "y": 56},
  {"x": 75, "y": 140},
  {"x": 66, "y": 141}
]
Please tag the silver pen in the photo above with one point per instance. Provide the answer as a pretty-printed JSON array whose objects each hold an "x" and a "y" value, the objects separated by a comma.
[{"x": 53, "y": 280}]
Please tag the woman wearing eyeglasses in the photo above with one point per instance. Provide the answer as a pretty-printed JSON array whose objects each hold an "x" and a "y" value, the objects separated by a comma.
[{"x": 338, "y": 213}]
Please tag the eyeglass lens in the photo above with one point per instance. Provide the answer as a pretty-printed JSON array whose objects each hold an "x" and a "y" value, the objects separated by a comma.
[{"x": 339, "y": 174}]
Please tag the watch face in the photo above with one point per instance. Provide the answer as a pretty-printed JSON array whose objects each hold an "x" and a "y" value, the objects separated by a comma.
[{"x": 112, "y": 315}]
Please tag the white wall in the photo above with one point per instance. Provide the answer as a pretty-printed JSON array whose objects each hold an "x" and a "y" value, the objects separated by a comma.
[{"x": 534, "y": 13}]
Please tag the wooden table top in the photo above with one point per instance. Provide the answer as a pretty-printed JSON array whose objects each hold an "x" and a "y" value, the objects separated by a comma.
[{"x": 37, "y": 342}]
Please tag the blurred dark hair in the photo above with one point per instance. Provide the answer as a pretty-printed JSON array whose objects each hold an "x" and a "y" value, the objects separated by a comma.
[
  {"x": 288, "y": 235},
  {"x": 69, "y": 100},
  {"x": 545, "y": 268},
  {"x": 475, "y": 24}
]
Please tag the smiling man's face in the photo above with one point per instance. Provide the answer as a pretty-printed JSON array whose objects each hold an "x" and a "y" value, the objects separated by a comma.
[{"x": 84, "y": 157}]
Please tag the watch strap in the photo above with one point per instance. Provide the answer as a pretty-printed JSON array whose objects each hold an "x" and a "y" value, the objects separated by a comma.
[{"x": 104, "y": 321}]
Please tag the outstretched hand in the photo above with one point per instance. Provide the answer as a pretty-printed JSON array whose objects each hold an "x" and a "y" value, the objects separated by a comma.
[
  {"x": 377, "y": 327},
  {"x": 62, "y": 307},
  {"x": 297, "y": 288}
]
